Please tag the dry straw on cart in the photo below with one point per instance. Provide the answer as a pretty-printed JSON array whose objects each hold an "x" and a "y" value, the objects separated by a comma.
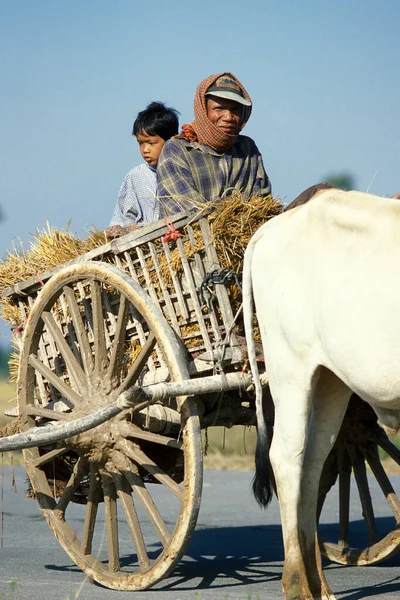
[{"x": 235, "y": 221}]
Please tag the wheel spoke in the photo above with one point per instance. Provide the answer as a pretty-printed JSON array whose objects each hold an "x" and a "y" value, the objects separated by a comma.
[
  {"x": 383, "y": 441},
  {"x": 65, "y": 390},
  {"x": 46, "y": 413},
  {"x": 137, "y": 367},
  {"x": 75, "y": 371},
  {"x": 360, "y": 474},
  {"x": 117, "y": 348},
  {"x": 80, "y": 332},
  {"x": 128, "y": 505},
  {"x": 144, "y": 461},
  {"x": 128, "y": 429},
  {"x": 384, "y": 482},
  {"x": 147, "y": 503},
  {"x": 110, "y": 508},
  {"x": 80, "y": 469},
  {"x": 344, "y": 497},
  {"x": 45, "y": 458},
  {"x": 100, "y": 350},
  {"x": 91, "y": 510}
]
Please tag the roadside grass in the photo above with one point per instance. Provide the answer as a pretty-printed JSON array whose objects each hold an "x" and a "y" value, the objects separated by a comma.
[
  {"x": 13, "y": 591},
  {"x": 8, "y": 399},
  {"x": 229, "y": 449},
  {"x": 391, "y": 467}
]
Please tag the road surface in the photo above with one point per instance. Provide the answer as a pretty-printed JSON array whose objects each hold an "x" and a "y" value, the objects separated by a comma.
[{"x": 236, "y": 552}]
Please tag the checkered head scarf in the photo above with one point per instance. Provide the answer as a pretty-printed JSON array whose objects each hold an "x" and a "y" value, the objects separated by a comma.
[{"x": 201, "y": 129}]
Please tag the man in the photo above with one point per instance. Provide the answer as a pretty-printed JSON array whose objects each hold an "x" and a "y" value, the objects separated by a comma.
[{"x": 210, "y": 159}]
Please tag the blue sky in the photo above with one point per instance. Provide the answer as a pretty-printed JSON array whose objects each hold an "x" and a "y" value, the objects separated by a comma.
[{"x": 323, "y": 76}]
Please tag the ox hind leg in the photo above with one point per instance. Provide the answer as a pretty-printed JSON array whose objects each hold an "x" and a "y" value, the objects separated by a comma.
[{"x": 308, "y": 415}]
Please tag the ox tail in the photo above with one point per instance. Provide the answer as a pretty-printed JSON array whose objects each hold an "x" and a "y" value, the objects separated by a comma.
[{"x": 262, "y": 482}]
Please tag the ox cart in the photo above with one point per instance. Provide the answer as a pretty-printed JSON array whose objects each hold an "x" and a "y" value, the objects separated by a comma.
[{"x": 126, "y": 354}]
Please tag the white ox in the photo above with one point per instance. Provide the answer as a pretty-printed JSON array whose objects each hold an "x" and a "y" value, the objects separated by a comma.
[{"x": 325, "y": 278}]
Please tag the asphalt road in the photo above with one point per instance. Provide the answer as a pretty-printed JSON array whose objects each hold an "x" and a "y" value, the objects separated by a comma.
[{"x": 236, "y": 552}]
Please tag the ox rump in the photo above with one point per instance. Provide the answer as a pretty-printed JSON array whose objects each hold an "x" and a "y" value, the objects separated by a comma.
[{"x": 324, "y": 279}]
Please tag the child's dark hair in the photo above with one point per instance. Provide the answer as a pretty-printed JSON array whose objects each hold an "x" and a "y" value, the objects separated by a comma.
[{"x": 157, "y": 119}]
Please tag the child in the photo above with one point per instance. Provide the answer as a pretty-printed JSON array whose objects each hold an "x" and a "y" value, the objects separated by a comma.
[{"x": 136, "y": 202}]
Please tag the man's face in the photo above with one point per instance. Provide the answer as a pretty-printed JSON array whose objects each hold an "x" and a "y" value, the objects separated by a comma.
[
  {"x": 225, "y": 114},
  {"x": 150, "y": 147}
]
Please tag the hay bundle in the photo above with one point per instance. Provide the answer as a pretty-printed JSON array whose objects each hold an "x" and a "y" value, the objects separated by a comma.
[
  {"x": 234, "y": 222},
  {"x": 49, "y": 248}
]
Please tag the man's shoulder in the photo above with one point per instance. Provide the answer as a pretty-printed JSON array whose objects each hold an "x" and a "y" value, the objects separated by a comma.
[
  {"x": 176, "y": 150},
  {"x": 176, "y": 145},
  {"x": 246, "y": 141}
]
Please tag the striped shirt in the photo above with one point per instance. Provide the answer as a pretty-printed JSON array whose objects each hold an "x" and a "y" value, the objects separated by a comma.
[
  {"x": 192, "y": 170},
  {"x": 137, "y": 197}
]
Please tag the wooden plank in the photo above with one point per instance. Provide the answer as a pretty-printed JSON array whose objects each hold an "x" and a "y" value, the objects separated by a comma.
[
  {"x": 150, "y": 233},
  {"x": 202, "y": 274},
  {"x": 221, "y": 292},
  {"x": 146, "y": 275},
  {"x": 136, "y": 322},
  {"x": 193, "y": 293},
  {"x": 177, "y": 285},
  {"x": 168, "y": 304}
]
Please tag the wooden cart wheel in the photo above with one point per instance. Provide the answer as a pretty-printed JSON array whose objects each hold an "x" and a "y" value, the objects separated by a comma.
[
  {"x": 357, "y": 451},
  {"x": 92, "y": 333}
]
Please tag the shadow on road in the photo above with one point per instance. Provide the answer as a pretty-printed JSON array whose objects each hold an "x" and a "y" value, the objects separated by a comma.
[
  {"x": 229, "y": 556},
  {"x": 220, "y": 556},
  {"x": 240, "y": 556},
  {"x": 389, "y": 587}
]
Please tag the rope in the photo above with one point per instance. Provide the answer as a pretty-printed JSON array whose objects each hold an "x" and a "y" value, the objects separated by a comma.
[{"x": 172, "y": 234}]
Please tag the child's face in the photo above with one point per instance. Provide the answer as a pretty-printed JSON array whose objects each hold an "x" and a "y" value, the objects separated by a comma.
[{"x": 150, "y": 147}]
